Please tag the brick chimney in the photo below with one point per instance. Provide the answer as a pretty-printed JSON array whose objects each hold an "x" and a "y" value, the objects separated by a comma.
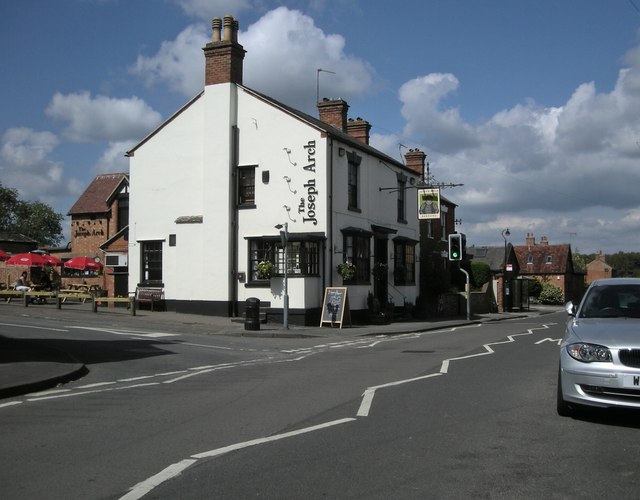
[
  {"x": 415, "y": 160},
  {"x": 531, "y": 240},
  {"x": 223, "y": 55},
  {"x": 359, "y": 129},
  {"x": 544, "y": 240},
  {"x": 334, "y": 112}
]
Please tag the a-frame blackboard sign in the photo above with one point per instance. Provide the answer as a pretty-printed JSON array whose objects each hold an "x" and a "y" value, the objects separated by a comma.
[{"x": 335, "y": 307}]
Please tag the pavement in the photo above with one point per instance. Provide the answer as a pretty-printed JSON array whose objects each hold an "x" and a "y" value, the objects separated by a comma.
[{"x": 28, "y": 366}]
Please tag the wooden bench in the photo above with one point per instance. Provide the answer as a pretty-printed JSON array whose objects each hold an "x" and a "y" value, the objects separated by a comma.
[
  {"x": 150, "y": 295},
  {"x": 11, "y": 294},
  {"x": 130, "y": 301},
  {"x": 63, "y": 295}
]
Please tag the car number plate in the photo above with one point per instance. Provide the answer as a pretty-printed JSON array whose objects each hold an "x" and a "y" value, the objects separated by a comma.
[{"x": 631, "y": 381}]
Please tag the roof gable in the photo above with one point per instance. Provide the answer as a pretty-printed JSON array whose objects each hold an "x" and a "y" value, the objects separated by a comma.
[{"x": 98, "y": 195}]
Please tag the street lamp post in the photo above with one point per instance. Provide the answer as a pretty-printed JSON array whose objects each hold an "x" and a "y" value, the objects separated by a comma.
[
  {"x": 284, "y": 238},
  {"x": 505, "y": 285}
]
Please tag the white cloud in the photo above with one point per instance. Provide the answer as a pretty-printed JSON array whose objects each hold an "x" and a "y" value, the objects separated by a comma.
[
  {"x": 26, "y": 148},
  {"x": 26, "y": 165},
  {"x": 282, "y": 46},
  {"x": 101, "y": 118},
  {"x": 113, "y": 158},
  {"x": 286, "y": 46},
  {"x": 525, "y": 165},
  {"x": 178, "y": 63}
]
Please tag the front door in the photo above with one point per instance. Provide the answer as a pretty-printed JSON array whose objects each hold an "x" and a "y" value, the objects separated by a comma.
[{"x": 381, "y": 270}]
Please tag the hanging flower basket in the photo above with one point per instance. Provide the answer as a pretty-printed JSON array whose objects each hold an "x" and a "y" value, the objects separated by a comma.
[
  {"x": 380, "y": 271},
  {"x": 347, "y": 270},
  {"x": 266, "y": 270}
]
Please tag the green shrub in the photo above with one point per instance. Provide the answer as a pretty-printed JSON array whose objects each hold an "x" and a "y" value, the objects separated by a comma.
[
  {"x": 480, "y": 273},
  {"x": 551, "y": 295},
  {"x": 535, "y": 287}
]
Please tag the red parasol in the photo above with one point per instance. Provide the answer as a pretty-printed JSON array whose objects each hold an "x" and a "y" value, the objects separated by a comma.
[
  {"x": 27, "y": 259},
  {"x": 3, "y": 255},
  {"x": 50, "y": 260},
  {"x": 83, "y": 264}
]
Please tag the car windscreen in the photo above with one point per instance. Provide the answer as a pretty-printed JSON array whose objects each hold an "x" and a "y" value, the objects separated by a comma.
[{"x": 611, "y": 301}]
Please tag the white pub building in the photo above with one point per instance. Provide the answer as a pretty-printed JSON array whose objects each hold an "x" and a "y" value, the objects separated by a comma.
[{"x": 213, "y": 186}]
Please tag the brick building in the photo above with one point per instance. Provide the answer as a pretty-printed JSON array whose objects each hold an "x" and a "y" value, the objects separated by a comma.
[
  {"x": 599, "y": 269},
  {"x": 550, "y": 264},
  {"x": 99, "y": 229}
]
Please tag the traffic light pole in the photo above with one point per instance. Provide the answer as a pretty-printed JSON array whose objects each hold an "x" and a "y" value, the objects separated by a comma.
[{"x": 468, "y": 294}]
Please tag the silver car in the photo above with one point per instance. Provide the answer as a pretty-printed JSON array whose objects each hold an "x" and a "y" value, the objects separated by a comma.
[{"x": 600, "y": 351}]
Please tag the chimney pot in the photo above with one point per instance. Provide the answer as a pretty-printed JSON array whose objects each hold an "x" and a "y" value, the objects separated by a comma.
[{"x": 216, "y": 25}]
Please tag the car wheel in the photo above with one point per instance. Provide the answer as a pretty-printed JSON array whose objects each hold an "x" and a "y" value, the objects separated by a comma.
[{"x": 563, "y": 408}]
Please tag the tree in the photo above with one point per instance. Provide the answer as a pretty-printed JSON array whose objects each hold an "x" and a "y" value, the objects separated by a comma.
[{"x": 35, "y": 219}]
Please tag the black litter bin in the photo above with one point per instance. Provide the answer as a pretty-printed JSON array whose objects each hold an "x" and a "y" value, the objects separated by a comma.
[{"x": 252, "y": 314}]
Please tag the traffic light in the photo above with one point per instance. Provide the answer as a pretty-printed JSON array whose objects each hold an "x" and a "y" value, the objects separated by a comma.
[{"x": 457, "y": 243}]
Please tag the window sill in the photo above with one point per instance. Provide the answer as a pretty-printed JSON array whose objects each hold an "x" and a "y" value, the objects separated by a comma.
[
  {"x": 258, "y": 284},
  {"x": 354, "y": 209}
]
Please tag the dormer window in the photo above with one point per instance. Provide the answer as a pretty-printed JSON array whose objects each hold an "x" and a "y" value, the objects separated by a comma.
[
  {"x": 549, "y": 259},
  {"x": 530, "y": 259}
]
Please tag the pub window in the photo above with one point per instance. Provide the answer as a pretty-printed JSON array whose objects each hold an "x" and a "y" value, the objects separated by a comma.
[
  {"x": 404, "y": 265},
  {"x": 353, "y": 181},
  {"x": 259, "y": 251},
  {"x": 303, "y": 259},
  {"x": 357, "y": 249},
  {"x": 247, "y": 186},
  {"x": 151, "y": 254}
]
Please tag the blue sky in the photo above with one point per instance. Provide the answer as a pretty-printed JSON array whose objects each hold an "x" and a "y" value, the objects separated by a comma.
[{"x": 533, "y": 105}]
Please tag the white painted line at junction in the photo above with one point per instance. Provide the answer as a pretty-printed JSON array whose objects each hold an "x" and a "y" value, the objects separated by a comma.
[
  {"x": 144, "y": 487},
  {"x": 369, "y": 393},
  {"x": 10, "y": 403},
  {"x": 141, "y": 489},
  {"x": 276, "y": 437},
  {"x": 549, "y": 340},
  {"x": 127, "y": 332},
  {"x": 367, "y": 396},
  {"x": 34, "y": 327}
]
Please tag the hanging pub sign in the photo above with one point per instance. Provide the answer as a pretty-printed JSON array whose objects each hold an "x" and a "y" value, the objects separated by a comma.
[{"x": 429, "y": 203}]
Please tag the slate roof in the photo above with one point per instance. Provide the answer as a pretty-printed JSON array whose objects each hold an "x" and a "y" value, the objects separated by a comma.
[
  {"x": 544, "y": 259},
  {"x": 493, "y": 256},
  {"x": 96, "y": 198}
]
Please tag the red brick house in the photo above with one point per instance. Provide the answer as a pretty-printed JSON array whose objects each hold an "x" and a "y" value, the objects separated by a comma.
[
  {"x": 99, "y": 229},
  {"x": 599, "y": 269},
  {"x": 550, "y": 264}
]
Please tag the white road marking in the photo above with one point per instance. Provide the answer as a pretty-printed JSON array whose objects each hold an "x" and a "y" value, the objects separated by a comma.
[
  {"x": 34, "y": 327},
  {"x": 558, "y": 341},
  {"x": 135, "y": 333},
  {"x": 144, "y": 487},
  {"x": 369, "y": 393},
  {"x": 10, "y": 403}
]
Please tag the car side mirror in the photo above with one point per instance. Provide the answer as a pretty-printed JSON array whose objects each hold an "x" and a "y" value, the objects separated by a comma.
[{"x": 570, "y": 308}]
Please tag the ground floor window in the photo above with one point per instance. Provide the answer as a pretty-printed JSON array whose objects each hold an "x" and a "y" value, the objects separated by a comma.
[
  {"x": 151, "y": 268},
  {"x": 260, "y": 251},
  {"x": 303, "y": 258},
  {"x": 404, "y": 264}
]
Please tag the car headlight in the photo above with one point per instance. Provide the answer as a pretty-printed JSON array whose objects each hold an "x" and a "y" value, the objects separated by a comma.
[{"x": 589, "y": 353}]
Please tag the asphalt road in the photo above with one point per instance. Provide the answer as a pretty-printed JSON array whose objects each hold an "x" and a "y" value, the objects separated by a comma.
[{"x": 465, "y": 412}]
